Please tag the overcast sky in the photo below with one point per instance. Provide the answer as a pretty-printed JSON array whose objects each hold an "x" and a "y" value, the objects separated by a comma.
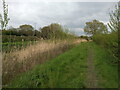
[{"x": 72, "y": 15}]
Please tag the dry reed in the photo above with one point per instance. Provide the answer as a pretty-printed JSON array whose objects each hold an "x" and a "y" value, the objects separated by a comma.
[{"x": 20, "y": 61}]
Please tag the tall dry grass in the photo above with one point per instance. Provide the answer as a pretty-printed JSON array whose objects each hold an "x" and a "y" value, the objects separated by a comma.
[{"x": 20, "y": 61}]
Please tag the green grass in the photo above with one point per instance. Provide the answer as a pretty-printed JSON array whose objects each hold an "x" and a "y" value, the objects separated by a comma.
[
  {"x": 106, "y": 71},
  {"x": 68, "y": 70},
  {"x": 11, "y": 46}
]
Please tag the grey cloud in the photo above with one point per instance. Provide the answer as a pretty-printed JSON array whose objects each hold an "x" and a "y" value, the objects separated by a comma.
[
  {"x": 77, "y": 31},
  {"x": 70, "y": 14}
]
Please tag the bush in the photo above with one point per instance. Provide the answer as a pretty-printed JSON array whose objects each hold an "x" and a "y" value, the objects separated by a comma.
[
  {"x": 108, "y": 41},
  {"x": 13, "y": 38}
]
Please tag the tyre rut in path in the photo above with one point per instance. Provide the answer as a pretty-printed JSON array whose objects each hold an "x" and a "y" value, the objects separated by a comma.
[{"x": 91, "y": 79}]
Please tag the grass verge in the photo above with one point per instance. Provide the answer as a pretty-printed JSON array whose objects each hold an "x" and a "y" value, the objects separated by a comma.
[
  {"x": 67, "y": 70},
  {"x": 106, "y": 71}
]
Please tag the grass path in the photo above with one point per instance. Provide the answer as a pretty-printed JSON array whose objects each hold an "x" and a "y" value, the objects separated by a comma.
[
  {"x": 92, "y": 81},
  {"x": 80, "y": 67}
]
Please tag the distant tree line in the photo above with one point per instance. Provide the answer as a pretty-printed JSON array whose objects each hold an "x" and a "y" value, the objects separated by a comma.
[
  {"x": 23, "y": 30},
  {"x": 52, "y": 31},
  {"x": 105, "y": 38}
]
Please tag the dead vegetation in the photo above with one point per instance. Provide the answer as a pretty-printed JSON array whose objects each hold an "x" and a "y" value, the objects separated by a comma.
[{"x": 20, "y": 61}]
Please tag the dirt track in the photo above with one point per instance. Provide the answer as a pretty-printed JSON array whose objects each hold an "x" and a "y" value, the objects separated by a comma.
[{"x": 92, "y": 81}]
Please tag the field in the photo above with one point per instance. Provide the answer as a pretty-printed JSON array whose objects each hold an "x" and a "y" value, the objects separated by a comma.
[
  {"x": 43, "y": 46},
  {"x": 72, "y": 70}
]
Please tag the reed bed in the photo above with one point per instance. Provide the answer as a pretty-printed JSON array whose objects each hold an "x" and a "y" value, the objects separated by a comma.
[{"x": 22, "y": 60}]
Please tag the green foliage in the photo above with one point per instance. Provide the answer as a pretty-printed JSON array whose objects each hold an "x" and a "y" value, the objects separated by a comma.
[
  {"x": 13, "y": 42},
  {"x": 26, "y": 27},
  {"x": 114, "y": 23},
  {"x": 14, "y": 38},
  {"x": 13, "y": 46},
  {"x": 106, "y": 71},
  {"x": 46, "y": 32},
  {"x": 69, "y": 70},
  {"x": 65, "y": 71},
  {"x": 21, "y": 32},
  {"x": 26, "y": 30},
  {"x": 95, "y": 27},
  {"x": 54, "y": 31},
  {"x": 110, "y": 42},
  {"x": 4, "y": 20}
]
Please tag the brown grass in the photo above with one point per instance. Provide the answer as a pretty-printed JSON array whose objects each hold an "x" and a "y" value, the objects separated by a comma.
[{"x": 20, "y": 61}]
